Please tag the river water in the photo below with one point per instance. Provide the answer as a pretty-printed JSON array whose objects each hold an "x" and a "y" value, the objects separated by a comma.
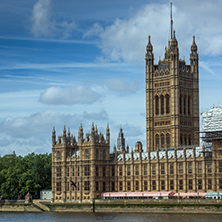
[{"x": 91, "y": 217}]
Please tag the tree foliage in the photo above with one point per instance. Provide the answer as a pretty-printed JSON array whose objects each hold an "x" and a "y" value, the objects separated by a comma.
[{"x": 19, "y": 175}]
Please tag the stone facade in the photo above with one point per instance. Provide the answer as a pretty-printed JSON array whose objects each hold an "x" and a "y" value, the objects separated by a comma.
[{"x": 82, "y": 169}]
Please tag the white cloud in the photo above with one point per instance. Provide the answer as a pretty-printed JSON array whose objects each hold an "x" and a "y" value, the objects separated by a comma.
[
  {"x": 125, "y": 39},
  {"x": 69, "y": 96},
  {"x": 102, "y": 115},
  {"x": 44, "y": 25},
  {"x": 122, "y": 86},
  {"x": 33, "y": 133}
]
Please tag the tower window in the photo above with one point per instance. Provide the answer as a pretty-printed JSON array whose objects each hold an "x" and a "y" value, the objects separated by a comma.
[
  {"x": 97, "y": 154},
  {"x": 181, "y": 102},
  {"x": 157, "y": 105},
  {"x": 104, "y": 154},
  {"x": 184, "y": 105},
  {"x": 189, "y": 139},
  {"x": 162, "y": 140},
  {"x": 162, "y": 104},
  {"x": 181, "y": 139},
  {"x": 189, "y": 105},
  {"x": 167, "y": 104},
  {"x": 157, "y": 141},
  {"x": 168, "y": 140},
  {"x": 185, "y": 139}
]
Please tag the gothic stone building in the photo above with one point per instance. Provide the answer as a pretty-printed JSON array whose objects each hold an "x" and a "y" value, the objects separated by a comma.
[{"x": 173, "y": 161}]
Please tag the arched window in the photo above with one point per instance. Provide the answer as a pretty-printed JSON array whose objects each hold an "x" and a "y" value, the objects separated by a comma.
[
  {"x": 184, "y": 105},
  {"x": 162, "y": 140},
  {"x": 189, "y": 139},
  {"x": 97, "y": 154},
  {"x": 181, "y": 139},
  {"x": 162, "y": 104},
  {"x": 157, "y": 105},
  {"x": 168, "y": 140},
  {"x": 167, "y": 104},
  {"x": 181, "y": 103},
  {"x": 157, "y": 141},
  {"x": 104, "y": 154},
  {"x": 58, "y": 154},
  {"x": 185, "y": 139},
  {"x": 189, "y": 105},
  {"x": 86, "y": 154}
]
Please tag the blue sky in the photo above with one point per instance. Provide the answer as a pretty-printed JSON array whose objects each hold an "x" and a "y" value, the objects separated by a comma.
[{"x": 71, "y": 62}]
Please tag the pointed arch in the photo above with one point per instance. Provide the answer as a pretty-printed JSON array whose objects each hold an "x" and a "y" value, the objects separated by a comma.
[
  {"x": 167, "y": 103},
  {"x": 157, "y": 105},
  {"x": 162, "y": 104},
  {"x": 185, "y": 105},
  {"x": 157, "y": 141},
  {"x": 189, "y": 105},
  {"x": 162, "y": 140},
  {"x": 168, "y": 140},
  {"x": 181, "y": 103}
]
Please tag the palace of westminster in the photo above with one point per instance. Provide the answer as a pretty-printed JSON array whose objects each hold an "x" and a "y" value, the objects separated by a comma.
[{"x": 173, "y": 160}]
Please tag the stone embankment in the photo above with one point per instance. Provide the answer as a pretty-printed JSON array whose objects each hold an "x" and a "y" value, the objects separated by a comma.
[{"x": 120, "y": 206}]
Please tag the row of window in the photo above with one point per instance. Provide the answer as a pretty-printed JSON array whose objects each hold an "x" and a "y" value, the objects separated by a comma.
[
  {"x": 98, "y": 153},
  {"x": 185, "y": 139},
  {"x": 181, "y": 185},
  {"x": 162, "y": 104},
  {"x": 162, "y": 140},
  {"x": 185, "y": 105},
  {"x": 180, "y": 168}
]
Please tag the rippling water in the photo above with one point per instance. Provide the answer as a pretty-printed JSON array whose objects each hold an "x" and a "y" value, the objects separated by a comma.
[{"x": 83, "y": 217}]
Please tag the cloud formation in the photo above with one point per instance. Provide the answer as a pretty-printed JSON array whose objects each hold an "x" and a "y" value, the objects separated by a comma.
[
  {"x": 122, "y": 86},
  {"x": 44, "y": 25},
  {"x": 69, "y": 96},
  {"x": 33, "y": 133},
  {"x": 125, "y": 39}
]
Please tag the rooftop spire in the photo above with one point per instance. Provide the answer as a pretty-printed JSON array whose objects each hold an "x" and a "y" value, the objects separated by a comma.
[{"x": 171, "y": 21}]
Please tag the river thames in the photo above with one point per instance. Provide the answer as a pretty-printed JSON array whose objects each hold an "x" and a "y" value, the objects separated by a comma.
[{"x": 83, "y": 217}]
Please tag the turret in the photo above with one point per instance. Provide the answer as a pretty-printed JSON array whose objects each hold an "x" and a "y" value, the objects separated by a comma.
[
  {"x": 64, "y": 136},
  {"x": 174, "y": 50},
  {"x": 93, "y": 133},
  {"x": 149, "y": 59},
  {"x": 194, "y": 58},
  {"x": 107, "y": 134},
  {"x": 80, "y": 135},
  {"x": 138, "y": 147},
  {"x": 53, "y": 136},
  {"x": 121, "y": 141}
]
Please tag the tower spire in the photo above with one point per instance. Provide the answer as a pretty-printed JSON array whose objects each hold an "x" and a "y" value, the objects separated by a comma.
[{"x": 171, "y": 21}]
